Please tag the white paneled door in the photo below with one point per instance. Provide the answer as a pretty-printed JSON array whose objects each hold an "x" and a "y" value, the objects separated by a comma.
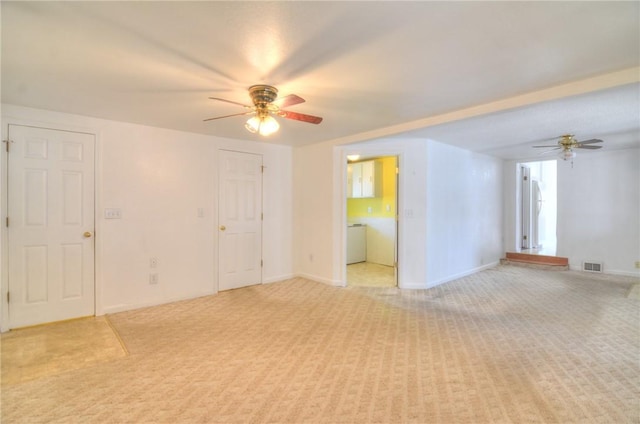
[
  {"x": 240, "y": 220},
  {"x": 50, "y": 225}
]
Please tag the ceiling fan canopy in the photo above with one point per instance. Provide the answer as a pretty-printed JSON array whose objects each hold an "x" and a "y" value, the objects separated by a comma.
[
  {"x": 266, "y": 104},
  {"x": 567, "y": 143}
]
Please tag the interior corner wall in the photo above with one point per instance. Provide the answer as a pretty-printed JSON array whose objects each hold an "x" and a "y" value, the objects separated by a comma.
[
  {"x": 464, "y": 212},
  {"x": 160, "y": 178},
  {"x": 599, "y": 210}
]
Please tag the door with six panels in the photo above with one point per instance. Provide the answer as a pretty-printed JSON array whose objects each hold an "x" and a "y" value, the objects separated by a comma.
[{"x": 50, "y": 205}]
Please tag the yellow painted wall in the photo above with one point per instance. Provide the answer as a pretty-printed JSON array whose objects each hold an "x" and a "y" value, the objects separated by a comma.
[{"x": 358, "y": 208}]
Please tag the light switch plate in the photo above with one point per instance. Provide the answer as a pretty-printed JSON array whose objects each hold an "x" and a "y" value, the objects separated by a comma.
[{"x": 112, "y": 213}]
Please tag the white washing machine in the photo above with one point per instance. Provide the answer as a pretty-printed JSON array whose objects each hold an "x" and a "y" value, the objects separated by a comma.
[{"x": 356, "y": 243}]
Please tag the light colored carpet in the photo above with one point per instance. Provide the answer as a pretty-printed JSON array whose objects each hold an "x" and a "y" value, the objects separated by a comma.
[{"x": 507, "y": 345}]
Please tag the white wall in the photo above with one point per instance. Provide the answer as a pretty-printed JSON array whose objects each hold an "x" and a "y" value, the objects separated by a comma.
[
  {"x": 313, "y": 213},
  {"x": 598, "y": 209},
  {"x": 464, "y": 212},
  {"x": 159, "y": 178},
  {"x": 450, "y": 209}
]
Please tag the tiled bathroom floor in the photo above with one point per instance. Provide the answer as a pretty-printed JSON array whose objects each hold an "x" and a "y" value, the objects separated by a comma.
[
  {"x": 44, "y": 350},
  {"x": 367, "y": 274}
]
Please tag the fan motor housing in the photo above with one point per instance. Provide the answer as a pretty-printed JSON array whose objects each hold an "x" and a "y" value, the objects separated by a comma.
[{"x": 263, "y": 94}]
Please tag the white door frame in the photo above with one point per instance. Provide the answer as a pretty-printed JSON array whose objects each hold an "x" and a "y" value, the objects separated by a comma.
[
  {"x": 340, "y": 184},
  {"x": 4, "y": 184}
]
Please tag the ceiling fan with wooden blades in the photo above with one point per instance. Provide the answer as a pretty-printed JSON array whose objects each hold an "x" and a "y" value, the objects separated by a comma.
[
  {"x": 266, "y": 104},
  {"x": 567, "y": 143}
]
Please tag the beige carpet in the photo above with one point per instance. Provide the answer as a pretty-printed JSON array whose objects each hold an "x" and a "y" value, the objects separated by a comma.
[{"x": 508, "y": 345}]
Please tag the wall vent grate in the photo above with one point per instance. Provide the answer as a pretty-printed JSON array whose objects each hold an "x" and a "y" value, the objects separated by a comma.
[{"x": 592, "y": 266}]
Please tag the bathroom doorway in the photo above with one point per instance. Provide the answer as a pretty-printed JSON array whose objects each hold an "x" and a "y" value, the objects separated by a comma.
[{"x": 372, "y": 224}]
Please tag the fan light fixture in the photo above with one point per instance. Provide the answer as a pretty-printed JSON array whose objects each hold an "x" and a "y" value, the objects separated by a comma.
[
  {"x": 567, "y": 154},
  {"x": 567, "y": 143},
  {"x": 263, "y": 125},
  {"x": 266, "y": 103}
]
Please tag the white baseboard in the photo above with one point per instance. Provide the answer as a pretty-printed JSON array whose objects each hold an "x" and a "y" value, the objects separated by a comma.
[
  {"x": 334, "y": 283},
  {"x": 413, "y": 286},
  {"x": 431, "y": 284},
  {"x": 278, "y": 278},
  {"x": 123, "y": 307},
  {"x": 608, "y": 272}
]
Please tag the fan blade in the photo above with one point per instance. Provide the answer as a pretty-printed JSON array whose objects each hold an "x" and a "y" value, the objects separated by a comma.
[
  {"x": 556, "y": 146},
  {"x": 592, "y": 141},
  {"x": 228, "y": 116},
  {"x": 300, "y": 117},
  {"x": 289, "y": 100},
  {"x": 230, "y": 101},
  {"x": 580, "y": 146},
  {"x": 549, "y": 151}
]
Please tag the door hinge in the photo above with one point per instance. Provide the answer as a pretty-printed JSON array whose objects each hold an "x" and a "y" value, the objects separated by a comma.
[
  {"x": 6, "y": 142},
  {"x": 7, "y": 221},
  {"x": 262, "y": 168},
  {"x": 525, "y": 178},
  {"x": 524, "y": 237},
  {"x": 8, "y": 297},
  {"x": 261, "y": 216},
  {"x": 261, "y": 263}
]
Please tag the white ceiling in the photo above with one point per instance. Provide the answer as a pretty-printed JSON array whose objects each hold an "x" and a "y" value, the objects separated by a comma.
[{"x": 363, "y": 66}]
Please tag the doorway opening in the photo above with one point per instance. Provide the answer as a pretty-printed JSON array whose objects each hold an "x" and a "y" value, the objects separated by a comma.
[
  {"x": 537, "y": 221},
  {"x": 372, "y": 224}
]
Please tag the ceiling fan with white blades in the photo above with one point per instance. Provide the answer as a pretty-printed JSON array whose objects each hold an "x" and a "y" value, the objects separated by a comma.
[
  {"x": 567, "y": 143},
  {"x": 267, "y": 104}
]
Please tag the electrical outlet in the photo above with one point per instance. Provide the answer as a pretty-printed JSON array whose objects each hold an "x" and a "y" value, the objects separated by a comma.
[
  {"x": 153, "y": 278},
  {"x": 153, "y": 262},
  {"x": 638, "y": 264}
]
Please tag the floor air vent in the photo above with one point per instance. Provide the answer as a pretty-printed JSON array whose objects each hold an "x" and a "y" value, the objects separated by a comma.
[{"x": 592, "y": 266}]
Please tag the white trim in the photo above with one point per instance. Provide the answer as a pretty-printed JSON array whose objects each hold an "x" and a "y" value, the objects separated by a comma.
[
  {"x": 4, "y": 257},
  {"x": 123, "y": 307},
  {"x": 606, "y": 271},
  {"x": 334, "y": 283},
  {"x": 432, "y": 284},
  {"x": 278, "y": 278},
  {"x": 623, "y": 273},
  {"x": 340, "y": 209}
]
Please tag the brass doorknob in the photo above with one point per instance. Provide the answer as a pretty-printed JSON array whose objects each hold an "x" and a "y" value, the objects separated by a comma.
[
  {"x": 222, "y": 228},
  {"x": 87, "y": 234}
]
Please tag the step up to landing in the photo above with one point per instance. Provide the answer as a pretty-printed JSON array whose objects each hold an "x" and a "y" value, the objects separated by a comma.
[{"x": 536, "y": 261}]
